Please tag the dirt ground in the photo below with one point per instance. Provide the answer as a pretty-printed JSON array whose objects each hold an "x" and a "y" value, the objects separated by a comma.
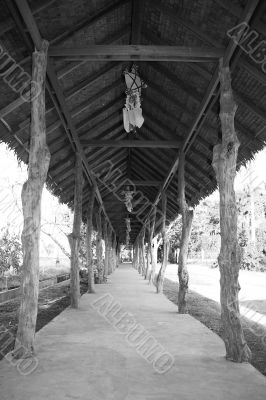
[
  {"x": 207, "y": 311},
  {"x": 52, "y": 301}
]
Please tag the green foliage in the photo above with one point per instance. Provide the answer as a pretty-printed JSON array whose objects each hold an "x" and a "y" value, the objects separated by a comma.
[
  {"x": 83, "y": 245},
  {"x": 10, "y": 252},
  {"x": 205, "y": 234}
]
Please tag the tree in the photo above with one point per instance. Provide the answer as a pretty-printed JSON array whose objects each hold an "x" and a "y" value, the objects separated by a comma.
[{"x": 10, "y": 252}]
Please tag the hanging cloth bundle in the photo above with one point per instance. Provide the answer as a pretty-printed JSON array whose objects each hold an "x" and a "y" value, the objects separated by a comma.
[
  {"x": 128, "y": 197},
  {"x": 132, "y": 112}
]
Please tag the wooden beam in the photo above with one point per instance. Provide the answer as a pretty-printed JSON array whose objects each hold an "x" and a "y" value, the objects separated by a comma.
[
  {"x": 164, "y": 144},
  {"x": 147, "y": 183},
  {"x": 137, "y": 52},
  {"x": 61, "y": 106}
]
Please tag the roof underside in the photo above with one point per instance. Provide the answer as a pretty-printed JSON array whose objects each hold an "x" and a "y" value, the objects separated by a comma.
[{"x": 172, "y": 103}]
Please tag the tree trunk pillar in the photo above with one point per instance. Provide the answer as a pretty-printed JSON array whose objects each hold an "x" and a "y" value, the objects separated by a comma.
[
  {"x": 134, "y": 256},
  {"x": 160, "y": 277},
  {"x": 110, "y": 250},
  {"x": 187, "y": 218},
  {"x": 39, "y": 159},
  {"x": 224, "y": 164},
  {"x": 74, "y": 238},
  {"x": 106, "y": 248},
  {"x": 114, "y": 253},
  {"x": 99, "y": 247},
  {"x": 142, "y": 252},
  {"x": 91, "y": 287},
  {"x": 152, "y": 256}
]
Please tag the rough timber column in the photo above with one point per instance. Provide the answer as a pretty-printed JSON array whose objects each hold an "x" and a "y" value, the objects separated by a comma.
[
  {"x": 151, "y": 250},
  {"x": 105, "y": 233},
  {"x": 187, "y": 218},
  {"x": 224, "y": 164},
  {"x": 110, "y": 250},
  {"x": 134, "y": 256},
  {"x": 137, "y": 255},
  {"x": 148, "y": 252},
  {"x": 99, "y": 247},
  {"x": 74, "y": 237},
  {"x": 142, "y": 252},
  {"x": 91, "y": 287},
  {"x": 39, "y": 159},
  {"x": 114, "y": 252},
  {"x": 160, "y": 277}
]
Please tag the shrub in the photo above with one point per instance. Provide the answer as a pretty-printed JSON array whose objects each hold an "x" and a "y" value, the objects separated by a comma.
[{"x": 10, "y": 252}]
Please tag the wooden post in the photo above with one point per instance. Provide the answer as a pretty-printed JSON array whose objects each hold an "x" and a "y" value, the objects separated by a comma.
[
  {"x": 151, "y": 250},
  {"x": 134, "y": 256},
  {"x": 105, "y": 229},
  {"x": 156, "y": 243},
  {"x": 91, "y": 287},
  {"x": 99, "y": 247},
  {"x": 118, "y": 254},
  {"x": 187, "y": 218},
  {"x": 160, "y": 277},
  {"x": 110, "y": 250},
  {"x": 74, "y": 238},
  {"x": 142, "y": 252},
  {"x": 139, "y": 256},
  {"x": 39, "y": 159},
  {"x": 148, "y": 260},
  {"x": 224, "y": 164},
  {"x": 114, "y": 253}
]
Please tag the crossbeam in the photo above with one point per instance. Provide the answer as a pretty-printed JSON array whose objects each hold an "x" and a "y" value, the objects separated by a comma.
[
  {"x": 165, "y": 144},
  {"x": 137, "y": 52},
  {"x": 147, "y": 183}
]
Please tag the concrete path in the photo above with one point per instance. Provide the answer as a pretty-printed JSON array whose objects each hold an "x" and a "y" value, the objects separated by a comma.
[{"x": 89, "y": 354}]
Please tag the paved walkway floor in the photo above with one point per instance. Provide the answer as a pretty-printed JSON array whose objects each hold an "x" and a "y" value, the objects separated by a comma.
[{"x": 82, "y": 355}]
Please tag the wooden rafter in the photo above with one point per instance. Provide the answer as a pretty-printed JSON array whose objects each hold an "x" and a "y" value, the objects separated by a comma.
[
  {"x": 137, "y": 52},
  {"x": 164, "y": 144}
]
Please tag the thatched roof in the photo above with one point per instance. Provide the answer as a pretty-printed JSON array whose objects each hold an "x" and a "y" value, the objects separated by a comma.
[{"x": 91, "y": 92}]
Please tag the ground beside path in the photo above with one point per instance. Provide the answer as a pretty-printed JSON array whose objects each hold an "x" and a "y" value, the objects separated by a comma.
[
  {"x": 204, "y": 304},
  {"x": 81, "y": 355}
]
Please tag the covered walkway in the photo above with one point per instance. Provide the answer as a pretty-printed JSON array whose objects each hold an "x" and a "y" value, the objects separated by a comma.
[{"x": 81, "y": 355}]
